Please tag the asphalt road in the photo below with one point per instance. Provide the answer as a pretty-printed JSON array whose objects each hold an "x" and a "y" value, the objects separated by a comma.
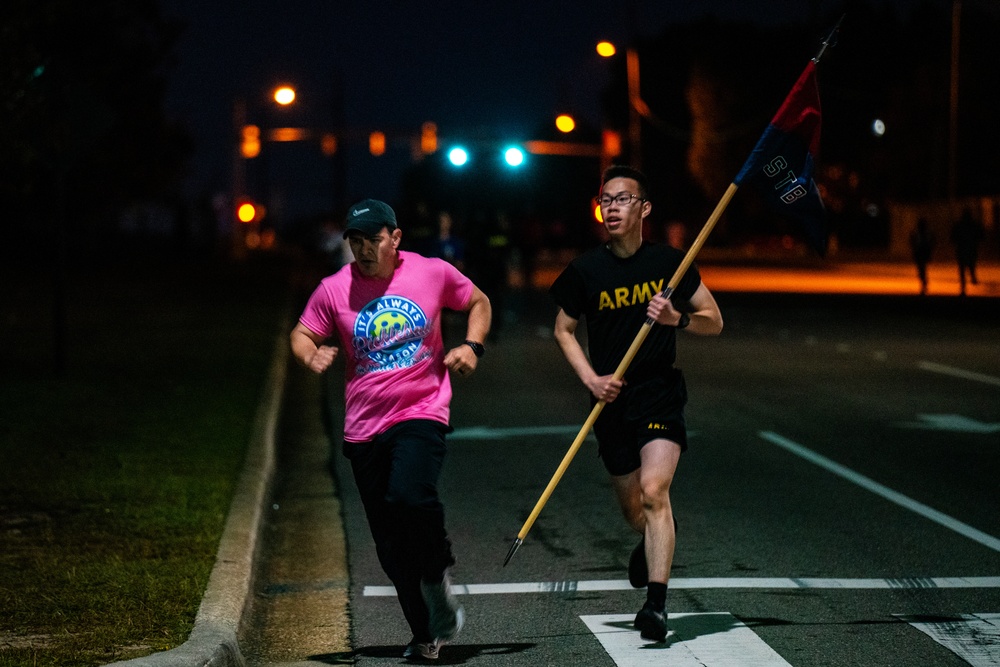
[{"x": 838, "y": 504}]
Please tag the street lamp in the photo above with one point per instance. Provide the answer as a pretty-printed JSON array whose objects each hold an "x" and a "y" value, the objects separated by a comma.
[
  {"x": 606, "y": 49},
  {"x": 637, "y": 108},
  {"x": 249, "y": 139},
  {"x": 284, "y": 95},
  {"x": 956, "y": 20},
  {"x": 565, "y": 123}
]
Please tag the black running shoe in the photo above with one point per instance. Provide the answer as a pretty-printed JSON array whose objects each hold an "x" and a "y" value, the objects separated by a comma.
[
  {"x": 651, "y": 623},
  {"x": 638, "y": 572}
]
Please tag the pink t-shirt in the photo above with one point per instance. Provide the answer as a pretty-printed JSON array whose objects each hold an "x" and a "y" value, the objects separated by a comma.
[{"x": 390, "y": 339}]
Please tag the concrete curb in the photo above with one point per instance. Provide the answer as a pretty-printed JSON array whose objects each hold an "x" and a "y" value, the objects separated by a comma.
[{"x": 214, "y": 640}]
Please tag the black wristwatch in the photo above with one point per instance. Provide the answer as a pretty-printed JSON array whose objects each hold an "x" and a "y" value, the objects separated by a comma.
[
  {"x": 476, "y": 347},
  {"x": 684, "y": 321}
]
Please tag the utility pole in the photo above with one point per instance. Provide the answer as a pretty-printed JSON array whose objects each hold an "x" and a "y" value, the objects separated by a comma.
[
  {"x": 956, "y": 21},
  {"x": 634, "y": 102},
  {"x": 634, "y": 91},
  {"x": 239, "y": 179}
]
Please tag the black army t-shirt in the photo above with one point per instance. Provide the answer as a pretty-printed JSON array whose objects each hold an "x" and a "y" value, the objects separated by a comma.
[{"x": 611, "y": 294}]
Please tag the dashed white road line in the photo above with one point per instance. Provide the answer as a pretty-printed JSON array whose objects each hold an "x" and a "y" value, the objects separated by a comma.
[
  {"x": 958, "y": 372},
  {"x": 953, "y": 423},
  {"x": 894, "y": 496},
  {"x": 498, "y": 433}
]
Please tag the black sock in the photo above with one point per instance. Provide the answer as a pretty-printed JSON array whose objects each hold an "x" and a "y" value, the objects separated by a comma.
[{"x": 656, "y": 595}]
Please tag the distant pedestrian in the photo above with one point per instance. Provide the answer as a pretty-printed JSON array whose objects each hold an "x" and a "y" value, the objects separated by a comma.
[
  {"x": 922, "y": 247},
  {"x": 384, "y": 311},
  {"x": 490, "y": 262},
  {"x": 447, "y": 245},
  {"x": 676, "y": 234},
  {"x": 966, "y": 234},
  {"x": 334, "y": 247}
]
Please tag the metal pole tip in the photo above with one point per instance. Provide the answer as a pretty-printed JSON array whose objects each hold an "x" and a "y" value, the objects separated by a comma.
[{"x": 513, "y": 550}]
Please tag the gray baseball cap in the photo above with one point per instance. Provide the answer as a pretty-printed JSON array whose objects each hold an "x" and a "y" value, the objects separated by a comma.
[{"x": 369, "y": 216}]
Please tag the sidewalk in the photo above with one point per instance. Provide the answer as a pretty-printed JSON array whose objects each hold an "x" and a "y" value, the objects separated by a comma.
[
  {"x": 730, "y": 273},
  {"x": 886, "y": 278}
]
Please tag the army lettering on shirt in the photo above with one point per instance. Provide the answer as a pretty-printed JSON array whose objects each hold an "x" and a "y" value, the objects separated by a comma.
[{"x": 621, "y": 297}]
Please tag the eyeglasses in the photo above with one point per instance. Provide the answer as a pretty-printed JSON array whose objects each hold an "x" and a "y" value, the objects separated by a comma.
[{"x": 622, "y": 199}]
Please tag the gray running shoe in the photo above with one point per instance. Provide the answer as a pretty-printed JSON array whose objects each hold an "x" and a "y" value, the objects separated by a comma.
[
  {"x": 446, "y": 615},
  {"x": 422, "y": 650}
]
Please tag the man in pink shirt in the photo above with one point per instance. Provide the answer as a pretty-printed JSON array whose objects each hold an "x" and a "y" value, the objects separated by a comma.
[{"x": 382, "y": 312}]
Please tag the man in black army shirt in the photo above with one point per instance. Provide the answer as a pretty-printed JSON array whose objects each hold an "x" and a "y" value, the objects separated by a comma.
[{"x": 640, "y": 431}]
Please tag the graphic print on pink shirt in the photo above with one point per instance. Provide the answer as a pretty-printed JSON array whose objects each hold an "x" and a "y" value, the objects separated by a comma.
[{"x": 388, "y": 334}]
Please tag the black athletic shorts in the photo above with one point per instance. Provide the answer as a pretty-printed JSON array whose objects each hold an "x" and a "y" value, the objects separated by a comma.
[{"x": 643, "y": 411}]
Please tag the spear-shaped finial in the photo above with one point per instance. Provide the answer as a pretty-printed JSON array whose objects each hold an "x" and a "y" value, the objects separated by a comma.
[
  {"x": 830, "y": 41},
  {"x": 513, "y": 550}
]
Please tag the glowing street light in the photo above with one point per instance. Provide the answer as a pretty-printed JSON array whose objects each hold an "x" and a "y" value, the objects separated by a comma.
[
  {"x": 246, "y": 213},
  {"x": 284, "y": 95},
  {"x": 376, "y": 143},
  {"x": 250, "y": 141},
  {"x": 636, "y": 106},
  {"x": 565, "y": 123},
  {"x": 428, "y": 138}
]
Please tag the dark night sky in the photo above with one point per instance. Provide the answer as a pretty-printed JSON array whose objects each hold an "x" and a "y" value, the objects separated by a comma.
[{"x": 495, "y": 68}]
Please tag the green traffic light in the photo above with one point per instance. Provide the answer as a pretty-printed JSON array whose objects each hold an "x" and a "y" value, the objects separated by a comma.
[
  {"x": 514, "y": 156},
  {"x": 458, "y": 156}
]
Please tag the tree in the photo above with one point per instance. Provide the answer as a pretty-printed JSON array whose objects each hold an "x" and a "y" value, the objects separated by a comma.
[
  {"x": 889, "y": 64},
  {"x": 82, "y": 116}
]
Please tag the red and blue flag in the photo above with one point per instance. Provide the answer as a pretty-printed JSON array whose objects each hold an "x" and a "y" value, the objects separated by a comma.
[{"x": 781, "y": 165}]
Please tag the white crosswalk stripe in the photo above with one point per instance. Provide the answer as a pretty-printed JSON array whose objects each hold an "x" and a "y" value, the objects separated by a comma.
[
  {"x": 973, "y": 637},
  {"x": 716, "y": 639}
]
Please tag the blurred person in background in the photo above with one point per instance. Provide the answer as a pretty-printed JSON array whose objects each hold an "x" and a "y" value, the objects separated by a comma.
[
  {"x": 922, "y": 247},
  {"x": 966, "y": 234}
]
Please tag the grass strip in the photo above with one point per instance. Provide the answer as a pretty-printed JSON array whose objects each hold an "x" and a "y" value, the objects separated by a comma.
[{"x": 117, "y": 474}]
